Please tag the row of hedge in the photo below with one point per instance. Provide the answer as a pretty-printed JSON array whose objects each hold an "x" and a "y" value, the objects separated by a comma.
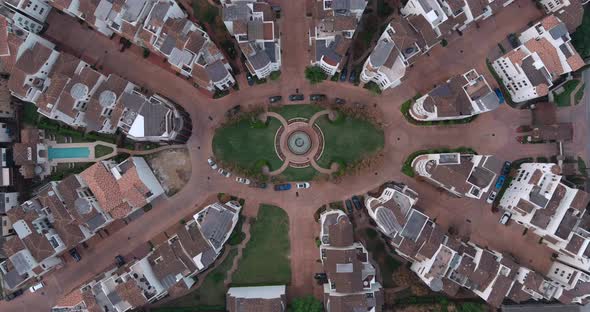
[{"x": 407, "y": 166}]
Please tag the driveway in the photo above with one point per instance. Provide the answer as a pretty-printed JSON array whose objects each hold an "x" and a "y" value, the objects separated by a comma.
[{"x": 491, "y": 133}]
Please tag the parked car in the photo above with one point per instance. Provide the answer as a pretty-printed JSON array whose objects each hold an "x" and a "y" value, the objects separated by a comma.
[
  {"x": 348, "y": 205},
  {"x": 250, "y": 79},
  {"x": 14, "y": 295},
  {"x": 233, "y": 111},
  {"x": 491, "y": 197},
  {"x": 343, "y": 74},
  {"x": 296, "y": 97},
  {"x": 261, "y": 185},
  {"x": 74, "y": 253},
  {"x": 36, "y": 287},
  {"x": 357, "y": 202},
  {"x": 224, "y": 172},
  {"x": 283, "y": 187},
  {"x": 120, "y": 261},
  {"x": 303, "y": 185},
  {"x": 274, "y": 99},
  {"x": 340, "y": 101},
  {"x": 242, "y": 180},
  {"x": 506, "y": 168},
  {"x": 212, "y": 163},
  {"x": 352, "y": 77},
  {"x": 317, "y": 97},
  {"x": 500, "y": 182},
  {"x": 505, "y": 218}
]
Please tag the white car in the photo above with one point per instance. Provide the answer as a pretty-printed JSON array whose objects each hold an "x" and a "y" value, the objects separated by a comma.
[
  {"x": 491, "y": 197},
  {"x": 242, "y": 180},
  {"x": 224, "y": 173},
  {"x": 212, "y": 163},
  {"x": 36, "y": 287},
  {"x": 303, "y": 185},
  {"x": 505, "y": 218}
]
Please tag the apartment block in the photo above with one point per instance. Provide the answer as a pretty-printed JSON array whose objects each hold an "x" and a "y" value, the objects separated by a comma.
[
  {"x": 189, "y": 249},
  {"x": 253, "y": 25},
  {"x": 545, "y": 53},
  {"x": 458, "y": 98},
  {"x": 162, "y": 27},
  {"x": 463, "y": 175},
  {"x": 352, "y": 282},
  {"x": 330, "y": 35}
]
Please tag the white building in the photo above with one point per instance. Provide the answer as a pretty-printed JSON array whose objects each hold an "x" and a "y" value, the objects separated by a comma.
[
  {"x": 332, "y": 32},
  {"x": 253, "y": 25},
  {"x": 38, "y": 10},
  {"x": 545, "y": 54},
  {"x": 460, "y": 97},
  {"x": 466, "y": 175}
]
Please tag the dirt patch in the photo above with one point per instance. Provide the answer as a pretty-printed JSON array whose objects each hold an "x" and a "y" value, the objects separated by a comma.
[{"x": 172, "y": 168}]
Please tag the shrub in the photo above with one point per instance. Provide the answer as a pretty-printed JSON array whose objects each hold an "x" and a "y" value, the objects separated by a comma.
[
  {"x": 373, "y": 87},
  {"x": 275, "y": 75},
  {"x": 146, "y": 53},
  {"x": 315, "y": 74}
]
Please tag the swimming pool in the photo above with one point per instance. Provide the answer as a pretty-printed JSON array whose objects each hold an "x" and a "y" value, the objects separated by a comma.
[{"x": 68, "y": 152}]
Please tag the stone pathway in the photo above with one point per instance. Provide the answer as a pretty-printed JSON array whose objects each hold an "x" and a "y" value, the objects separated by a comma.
[
  {"x": 151, "y": 151},
  {"x": 573, "y": 94},
  {"x": 238, "y": 257}
]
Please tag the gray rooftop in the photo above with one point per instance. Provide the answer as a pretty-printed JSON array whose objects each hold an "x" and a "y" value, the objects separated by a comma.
[
  {"x": 537, "y": 198},
  {"x": 239, "y": 11},
  {"x": 217, "y": 71},
  {"x": 216, "y": 225},
  {"x": 259, "y": 59},
  {"x": 96, "y": 222},
  {"x": 414, "y": 225},
  {"x": 381, "y": 52},
  {"x": 133, "y": 9},
  {"x": 536, "y": 76},
  {"x": 558, "y": 31},
  {"x": 546, "y": 308},
  {"x": 20, "y": 262},
  {"x": 255, "y": 30},
  {"x": 270, "y": 48},
  {"x": 386, "y": 218},
  {"x": 324, "y": 49},
  {"x": 349, "y": 4},
  {"x": 168, "y": 44},
  {"x": 490, "y": 101},
  {"x": 12, "y": 279}
]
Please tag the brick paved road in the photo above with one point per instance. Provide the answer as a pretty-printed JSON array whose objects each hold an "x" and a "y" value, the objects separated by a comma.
[{"x": 490, "y": 133}]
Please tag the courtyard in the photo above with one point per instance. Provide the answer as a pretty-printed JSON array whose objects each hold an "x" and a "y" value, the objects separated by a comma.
[{"x": 295, "y": 142}]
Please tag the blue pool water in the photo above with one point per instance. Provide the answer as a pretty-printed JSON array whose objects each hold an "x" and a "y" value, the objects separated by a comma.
[{"x": 68, "y": 152}]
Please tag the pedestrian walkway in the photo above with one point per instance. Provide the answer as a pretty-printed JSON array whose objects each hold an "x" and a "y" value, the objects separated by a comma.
[
  {"x": 150, "y": 151},
  {"x": 238, "y": 257}
]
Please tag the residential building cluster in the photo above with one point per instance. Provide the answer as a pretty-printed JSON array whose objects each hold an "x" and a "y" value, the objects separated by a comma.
[
  {"x": 162, "y": 27},
  {"x": 253, "y": 25},
  {"x": 351, "y": 283},
  {"x": 544, "y": 54},
  {"x": 423, "y": 25},
  {"x": 69, "y": 90},
  {"x": 447, "y": 265},
  {"x": 170, "y": 267},
  {"x": 63, "y": 214},
  {"x": 330, "y": 35}
]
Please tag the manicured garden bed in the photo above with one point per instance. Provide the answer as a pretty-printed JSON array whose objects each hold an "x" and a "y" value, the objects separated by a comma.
[
  {"x": 563, "y": 99},
  {"x": 265, "y": 260}
]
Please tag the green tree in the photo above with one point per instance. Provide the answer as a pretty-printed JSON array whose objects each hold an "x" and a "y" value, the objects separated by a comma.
[
  {"x": 315, "y": 74},
  {"x": 581, "y": 37},
  {"x": 306, "y": 304}
]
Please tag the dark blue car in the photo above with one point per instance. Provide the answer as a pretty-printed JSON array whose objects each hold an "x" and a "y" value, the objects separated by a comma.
[
  {"x": 500, "y": 182},
  {"x": 352, "y": 77},
  {"x": 283, "y": 187},
  {"x": 506, "y": 168},
  {"x": 343, "y": 75}
]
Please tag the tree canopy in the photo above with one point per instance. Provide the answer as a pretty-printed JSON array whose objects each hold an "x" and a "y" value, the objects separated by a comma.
[{"x": 315, "y": 74}]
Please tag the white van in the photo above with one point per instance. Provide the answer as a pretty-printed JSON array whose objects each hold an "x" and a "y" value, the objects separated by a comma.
[{"x": 36, "y": 287}]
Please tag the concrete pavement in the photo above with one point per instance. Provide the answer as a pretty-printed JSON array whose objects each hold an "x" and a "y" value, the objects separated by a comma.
[{"x": 491, "y": 133}]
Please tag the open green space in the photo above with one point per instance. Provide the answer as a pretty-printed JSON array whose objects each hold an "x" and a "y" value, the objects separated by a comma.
[
  {"x": 102, "y": 150},
  {"x": 563, "y": 99},
  {"x": 348, "y": 139},
  {"x": 210, "y": 296},
  {"x": 581, "y": 37},
  {"x": 265, "y": 260},
  {"x": 247, "y": 145}
]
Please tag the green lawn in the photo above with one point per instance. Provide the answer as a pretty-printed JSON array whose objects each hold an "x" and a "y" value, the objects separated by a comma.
[
  {"x": 247, "y": 146},
  {"x": 265, "y": 260},
  {"x": 101, "y": 150},
  {"x": 243, "y": 144},
  {"x": 348, "y": 139},
  {"x": 297, "y": 110},
  {"x": 563, "y": 99},
  {"x": 211, "y": 294}
]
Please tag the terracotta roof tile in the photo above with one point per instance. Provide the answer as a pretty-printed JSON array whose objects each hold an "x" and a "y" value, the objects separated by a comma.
[{"x": 72, "y": 299}]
